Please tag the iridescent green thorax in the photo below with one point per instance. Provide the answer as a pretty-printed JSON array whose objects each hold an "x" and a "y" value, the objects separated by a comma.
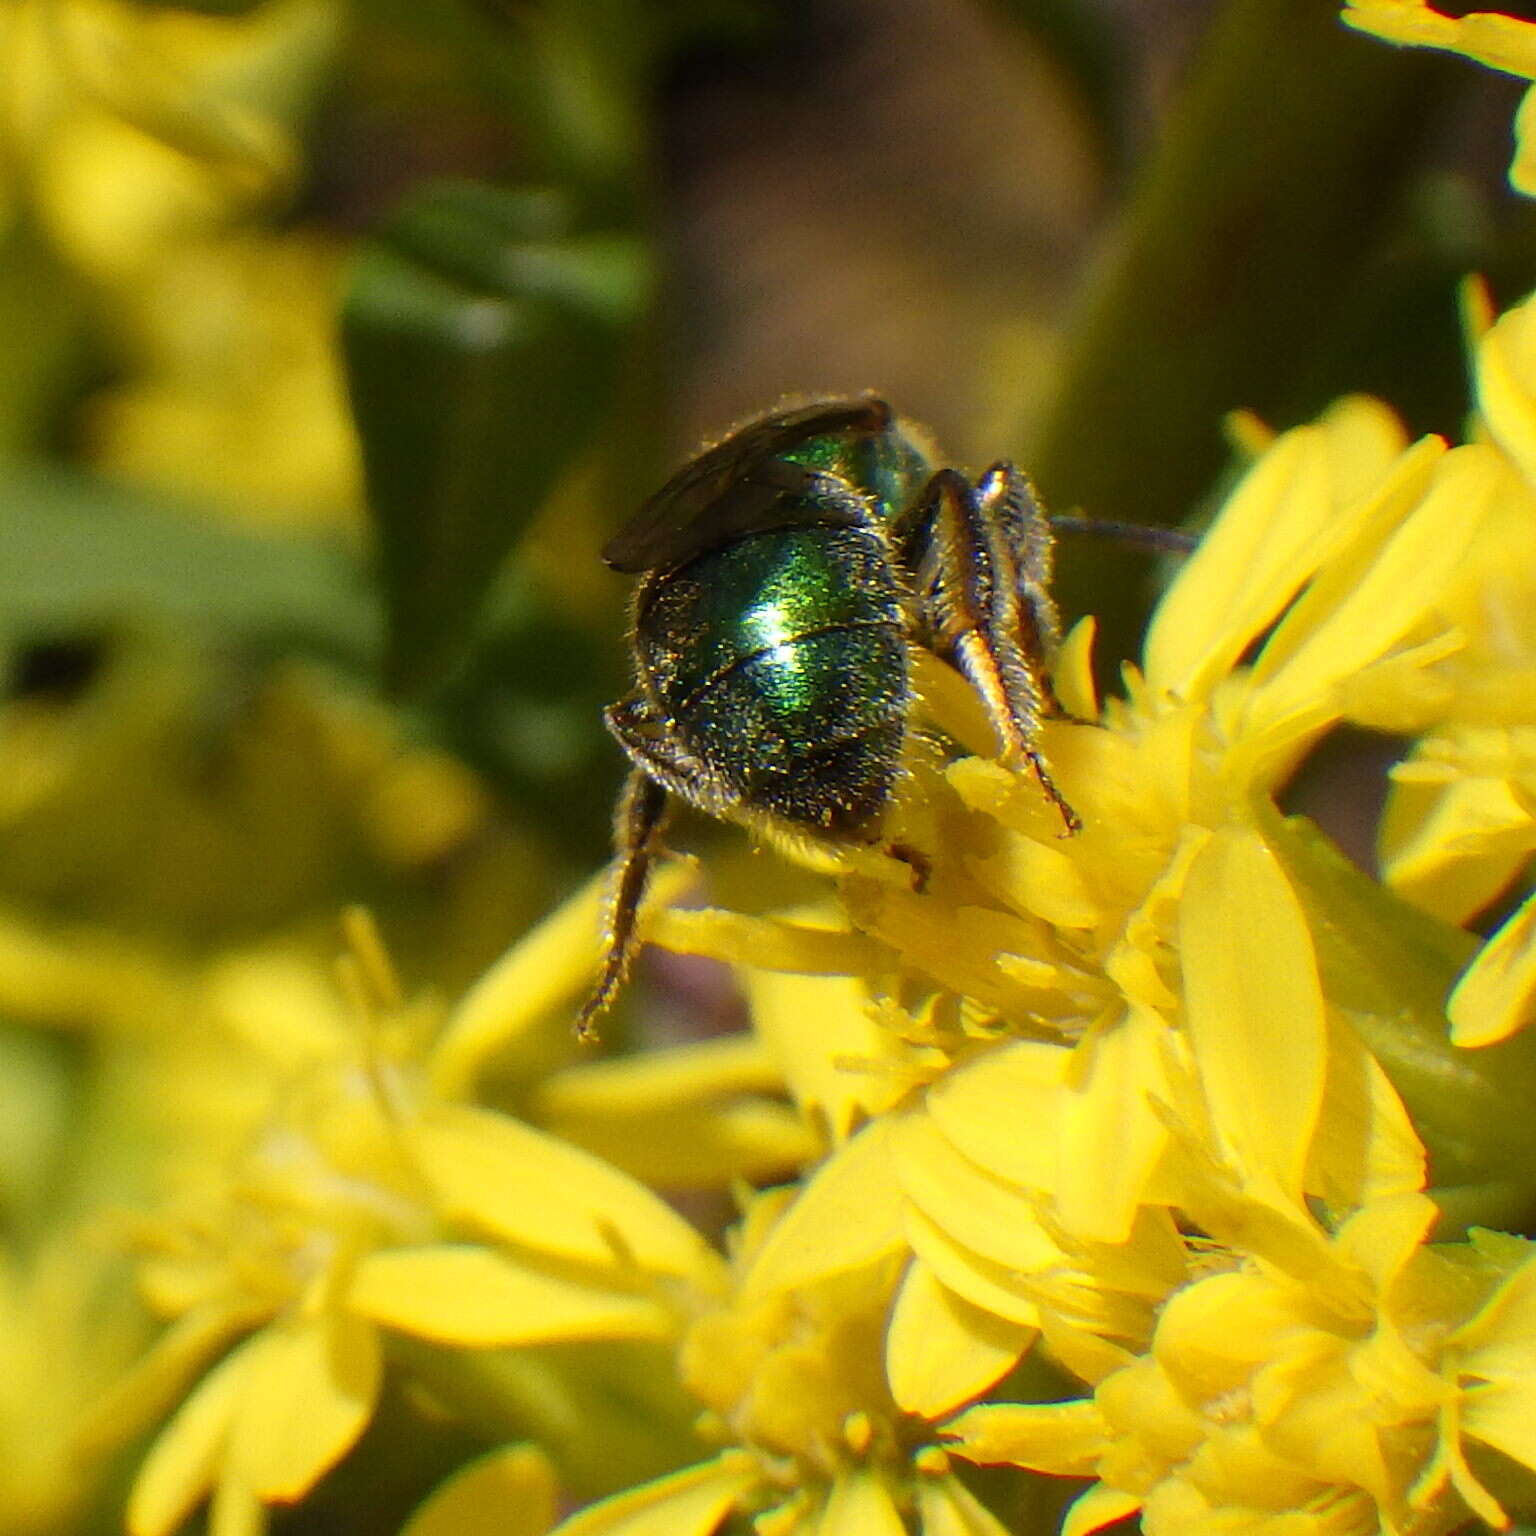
[{"x": 887, "y": 467}]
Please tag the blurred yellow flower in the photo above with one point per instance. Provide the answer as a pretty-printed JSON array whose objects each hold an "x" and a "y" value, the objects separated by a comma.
[
  {"x": 141, "y": 140},
  {"x": 234, "y": 392},
  {"x": 130, "y": 127},
  {"x": 65, "y": 1334},
  {"x": 364, "y": 1205},
  {"x": 154, "y": 803}
]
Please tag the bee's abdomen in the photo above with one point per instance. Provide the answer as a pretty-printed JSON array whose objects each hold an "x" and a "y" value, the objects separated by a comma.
[{"x": 782, "y": 663}]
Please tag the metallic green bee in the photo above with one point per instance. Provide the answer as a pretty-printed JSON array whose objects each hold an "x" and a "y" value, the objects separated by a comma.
[{"x": 786, "y": 572}]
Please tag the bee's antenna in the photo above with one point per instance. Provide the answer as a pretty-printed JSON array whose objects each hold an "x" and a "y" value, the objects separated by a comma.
[{"x": 1166, "y": 540}]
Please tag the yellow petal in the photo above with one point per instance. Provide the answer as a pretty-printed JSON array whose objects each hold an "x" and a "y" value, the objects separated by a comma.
[
  {"x": 1501, "y": 42},
  {"x": 1274, "y": 528},
  {"x": 1001, "y": 1110},
  {"x": 698, "y": 1146},
  {"x": 1365, "y": 1146},
  {"x": 184, "y": 1460},
  {"x": 940, "y": 1351},
  {"x": 1498, "y": 1343},
  {"x": 860, "y": 1505},
  {"x": 1451, "y": 847},
  {"x": 1506, "y": 385},
  {"x": 829, "y": 1046},
  {"x": 694, "y": 1116},
  {"x": 1365, "y": 601},
  {"x": 1248, "y": 565},
  {"x": 161, "y": 1377},
  {"x": 1522, "y": 169},
  {"x": 668, "y": 1078},
  {"x": 510, "y": 1492},
  {"x": 1409, "y": 22},
  {"x": 235, "y": 1510},
  {"x": 767, "y": 943},
  {"x": 1098, "y": 1507},
  {"x": 1402, "y": 694},
  {"x": 1034, "y": 877},
  {"x": 1254, "y": 1005},
  {"x": 946, "y": 1507},
  {"x": 987, "y": 1286},
  {"x": 515, "y": 1182},
  {"x": 1086, "y": 1355},
  {"x": 541, "y": 974},
  {"x": 1111, "y": 1133},
  {"x": 1065, "y": 1439},
  {"x": 1503, "y": 1415},
  {"x": 1497, "y": 993},
  {"x": 1212, "y": 1334},
  {"x": 848, "y": 1215},
  {"x": 958, "y": 947},
  {"x": 309, "y": 1393},
  {"x": 992, "y": 1218},
  {"x": 692, "y": 1502},
  {"x": 1072, "y": 674},
  {"x": 471, "y": 1297}
]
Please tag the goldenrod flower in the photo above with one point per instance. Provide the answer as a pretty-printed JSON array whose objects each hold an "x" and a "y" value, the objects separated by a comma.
[
  {"x": 792, "y": 1384},
  {"x": 1327, "y": 1385},
  {"x": 65, "y": 1334},
  {"x": 1461, "y": 821},
  {"x": 1023, "y": 1019},
  {"x": 366, "y": 1205},
  {"x": 234, "y": 393}
]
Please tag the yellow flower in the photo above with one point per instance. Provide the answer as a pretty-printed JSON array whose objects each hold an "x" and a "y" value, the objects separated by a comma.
[
  {"x": 792, "y": 1383},
  {"x": 122, "y": 805},
  {"x": 510, "y": 1492},
  {"x": 234, "y": 391},
  {"x": 1501, "y": 42},
  {"x": 65, "y": 1333},
  {"x": 1327, "y": 1386},
  {"x": 132, "y": 127},
  {"x": 1086, "y": 978},
  {"x": 1460, "y": 824},
  {"x": 367, "y": 1207}
]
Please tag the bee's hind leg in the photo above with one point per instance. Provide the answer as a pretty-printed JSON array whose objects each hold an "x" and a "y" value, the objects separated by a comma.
[
  {"x": 983, "y": 582},
  {"x": 638, "y": 823}
]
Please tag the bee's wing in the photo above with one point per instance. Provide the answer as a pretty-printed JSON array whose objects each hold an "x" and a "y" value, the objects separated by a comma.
[{"x": 737, "y": 486}]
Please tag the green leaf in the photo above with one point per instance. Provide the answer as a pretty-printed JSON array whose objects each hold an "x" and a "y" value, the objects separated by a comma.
[
  {"x": 76, "y": 554},
  {"x": 483, "y": 335},
  {"x": 526, "y": 712},
  {"x": 1390, "y": 967}
]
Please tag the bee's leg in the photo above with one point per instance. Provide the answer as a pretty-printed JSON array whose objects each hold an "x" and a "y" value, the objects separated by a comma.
[
  {"x": 1008, "y": 499},
  {"x": 661, "y": 768},
  {"x": 983, "y": 588},
  {"x": 637, "y": 827}
]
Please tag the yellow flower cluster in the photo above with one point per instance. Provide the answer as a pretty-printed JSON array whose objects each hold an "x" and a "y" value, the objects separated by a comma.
[
  {"x": 144, "y": 144},
  {"x": 1105, "y": 1094},
  {"x": 1142, "y": 1165}
]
